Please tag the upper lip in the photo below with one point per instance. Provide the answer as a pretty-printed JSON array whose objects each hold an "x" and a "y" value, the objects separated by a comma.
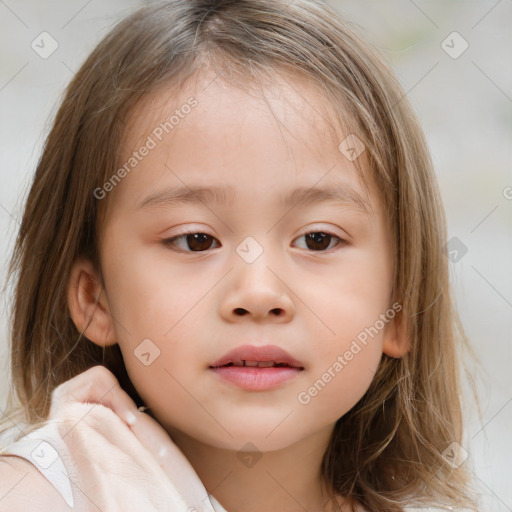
[{"x": 257, "y": 353}]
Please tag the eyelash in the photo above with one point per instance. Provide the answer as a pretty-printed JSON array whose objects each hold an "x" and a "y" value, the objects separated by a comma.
[{"x": 170, "y": 241}]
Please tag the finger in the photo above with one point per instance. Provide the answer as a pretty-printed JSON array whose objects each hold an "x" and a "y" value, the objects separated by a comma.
[
  {"x": 95, "y": 385},
  {"x": 151, "y": 434},
  {"x": 170, "y": 458}
]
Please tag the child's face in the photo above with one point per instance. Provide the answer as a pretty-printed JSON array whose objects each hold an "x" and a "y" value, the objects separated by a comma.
[{"x": 312, "y": 298}]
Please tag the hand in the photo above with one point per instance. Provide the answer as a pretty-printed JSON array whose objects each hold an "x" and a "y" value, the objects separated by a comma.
[
  {"x": 99, "y": 385},
  {"x": 175, "y": 482}
]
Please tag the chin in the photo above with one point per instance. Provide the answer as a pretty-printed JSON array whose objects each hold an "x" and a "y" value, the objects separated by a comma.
[{"x": 264, "y": 437}]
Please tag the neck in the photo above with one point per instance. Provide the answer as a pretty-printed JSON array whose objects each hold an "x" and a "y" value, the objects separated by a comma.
[{"x": 285, "y": 480}]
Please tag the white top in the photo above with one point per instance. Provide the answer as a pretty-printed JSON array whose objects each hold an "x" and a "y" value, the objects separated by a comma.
[{"x": 93, "y": 456}]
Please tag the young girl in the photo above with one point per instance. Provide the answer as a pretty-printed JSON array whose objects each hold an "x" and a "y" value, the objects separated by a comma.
[{"x": 231, "y": 287}]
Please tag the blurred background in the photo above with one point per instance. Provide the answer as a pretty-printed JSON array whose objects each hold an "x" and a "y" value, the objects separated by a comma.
[{"x": 453, "y": 59}]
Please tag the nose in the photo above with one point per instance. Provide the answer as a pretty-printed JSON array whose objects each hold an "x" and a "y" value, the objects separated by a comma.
[{"x": 257, "y": 293}]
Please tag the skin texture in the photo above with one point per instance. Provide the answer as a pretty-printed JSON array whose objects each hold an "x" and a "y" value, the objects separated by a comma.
[{"x": 186, "y": 302}]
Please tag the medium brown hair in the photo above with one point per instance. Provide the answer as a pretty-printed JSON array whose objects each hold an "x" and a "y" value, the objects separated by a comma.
[{"x": 387, "y": 450}]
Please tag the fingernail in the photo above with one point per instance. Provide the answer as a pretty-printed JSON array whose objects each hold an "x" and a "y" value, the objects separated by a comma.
[{"x": 130, "y": 418}]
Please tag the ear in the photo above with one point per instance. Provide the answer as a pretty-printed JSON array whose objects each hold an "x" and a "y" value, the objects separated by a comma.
[
  {"x": 396, "y": 341},
  {"x": 88, "y": 304}
]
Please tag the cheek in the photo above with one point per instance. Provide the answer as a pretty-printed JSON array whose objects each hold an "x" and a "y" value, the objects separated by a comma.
[
  {"x": 159, "y": 320},
  {"x": 348, "y": 343},
  {"x": 346, "y": 359},
  {"x": 152, "y": 295},
  {"x": 338, "y": 382},
  {"x": 349, "y": 299}
]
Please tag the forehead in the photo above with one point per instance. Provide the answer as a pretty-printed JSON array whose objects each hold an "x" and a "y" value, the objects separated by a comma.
[
  {"x": 279, "y": 135},
  {"x": 289, "y": 101}
]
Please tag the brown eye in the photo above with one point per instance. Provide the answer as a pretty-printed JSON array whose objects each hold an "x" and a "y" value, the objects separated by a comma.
[
  {"x": 191, "y": 242},
  {"x": 320, "y": 241}
]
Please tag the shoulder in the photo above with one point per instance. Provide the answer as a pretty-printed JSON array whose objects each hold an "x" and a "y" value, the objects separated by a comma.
[{"x": 23, "y": 487}]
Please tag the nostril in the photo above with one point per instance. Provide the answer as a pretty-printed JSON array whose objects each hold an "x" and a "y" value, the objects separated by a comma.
[{"x": 242, "y": 311}]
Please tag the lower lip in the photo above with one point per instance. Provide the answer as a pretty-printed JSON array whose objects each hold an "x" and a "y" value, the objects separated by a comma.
[{"x": 254, "y": 378}]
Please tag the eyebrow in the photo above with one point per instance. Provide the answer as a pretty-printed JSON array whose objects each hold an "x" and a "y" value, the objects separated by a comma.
[{"x": 305, "y": 196}]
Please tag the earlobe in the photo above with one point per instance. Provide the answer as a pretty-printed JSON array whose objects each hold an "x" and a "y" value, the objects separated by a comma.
[
  {"x": 88, "y": 305},
  {"x": 396, "y": 341}
]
